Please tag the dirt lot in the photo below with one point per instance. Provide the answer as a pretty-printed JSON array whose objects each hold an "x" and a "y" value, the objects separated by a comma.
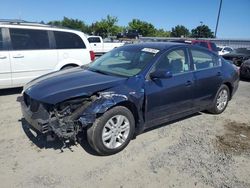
[{"x": 201, "y": 151}]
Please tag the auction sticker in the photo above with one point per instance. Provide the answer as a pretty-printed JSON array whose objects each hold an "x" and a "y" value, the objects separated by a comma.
[{"x": 150, "y": 50}]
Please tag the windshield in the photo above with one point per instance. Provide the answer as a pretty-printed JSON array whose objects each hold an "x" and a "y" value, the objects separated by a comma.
[{"x": 126, "y": 61}]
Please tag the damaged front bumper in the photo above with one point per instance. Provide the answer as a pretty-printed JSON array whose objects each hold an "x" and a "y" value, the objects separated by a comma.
[
  {"x": 39, "y": 120},
  {"x": 67, "y": 119}
]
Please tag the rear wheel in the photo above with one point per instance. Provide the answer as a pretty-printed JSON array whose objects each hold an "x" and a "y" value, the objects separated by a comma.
[
  {"x": 221, "y": 100},
  {"x": 112, "y": 132}
]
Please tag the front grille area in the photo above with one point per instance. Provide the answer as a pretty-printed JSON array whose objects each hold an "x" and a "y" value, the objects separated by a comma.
[{"x": 31, "y": 103}]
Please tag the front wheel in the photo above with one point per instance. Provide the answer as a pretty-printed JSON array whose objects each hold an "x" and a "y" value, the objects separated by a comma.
[
  {"x": 221, "y": 100},
  {"x": 112, "y": 131}
]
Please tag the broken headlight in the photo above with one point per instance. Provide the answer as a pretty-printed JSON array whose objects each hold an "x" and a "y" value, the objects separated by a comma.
[{"x": 69, "y": 106}]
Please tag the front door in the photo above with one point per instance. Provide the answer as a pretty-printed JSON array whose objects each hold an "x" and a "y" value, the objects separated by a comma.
[
  {"x": 168, "y": 97},
  {"x": 96, "y": 44}
]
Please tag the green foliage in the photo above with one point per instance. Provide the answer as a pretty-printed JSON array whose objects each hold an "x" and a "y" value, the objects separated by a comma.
[
  {"x": 179, "y": 31},
  {"x": 72, "y": 23},
  {"x": 106, "y": 27},
  {"x": 144, "y": 28},
  {"x": 161, "y": 33},
  {"x": 202, "y": 31}
]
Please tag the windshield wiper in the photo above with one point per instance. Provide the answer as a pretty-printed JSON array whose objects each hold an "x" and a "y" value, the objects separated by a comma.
[{"x": 98, "y": 71}]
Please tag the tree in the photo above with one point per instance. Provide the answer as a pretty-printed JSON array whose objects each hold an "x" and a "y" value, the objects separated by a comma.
[
  {"x": 202, "y": 31},
  {"x": 161, "y": 33},
  {"x": 72, "y": 23},
  {"x": 106, "y": 27},
  {"x": 179, "y": 31},
  {"x": 144, "y": 28}
]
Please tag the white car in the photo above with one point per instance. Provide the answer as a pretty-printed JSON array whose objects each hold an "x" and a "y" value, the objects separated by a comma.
[
  {"x": 222, "y": 50},
  {"x": 100, "y": 47},
  {"x": 29, "y": 50}
]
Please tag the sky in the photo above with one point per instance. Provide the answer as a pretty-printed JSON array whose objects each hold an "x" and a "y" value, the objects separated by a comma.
[{"x": 234, "y": 21}]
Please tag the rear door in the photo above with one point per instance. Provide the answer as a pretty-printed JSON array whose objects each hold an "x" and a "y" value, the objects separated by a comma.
[
  {"x": 5, "y": 68},
  {"x": 168, "y": 97},
  {"x": 71, "y": 49},
  {"x": 30, "y": 54},
  {"x": 208, "y": 76}
]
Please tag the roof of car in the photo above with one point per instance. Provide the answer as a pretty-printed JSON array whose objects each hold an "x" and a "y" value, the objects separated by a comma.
[{"x": 158, "y": 45}]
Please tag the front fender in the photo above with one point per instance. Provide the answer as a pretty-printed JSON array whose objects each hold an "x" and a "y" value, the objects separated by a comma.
[
  {"x": 105, "y": 101},
  {"x": 99, "y": 105}
]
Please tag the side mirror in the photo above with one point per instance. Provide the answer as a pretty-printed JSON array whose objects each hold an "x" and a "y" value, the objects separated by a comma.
[{"x": 161, "y": 74}]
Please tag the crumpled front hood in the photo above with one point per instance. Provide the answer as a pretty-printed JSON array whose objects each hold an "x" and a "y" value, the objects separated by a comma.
[{"x": 62, "y": 85}]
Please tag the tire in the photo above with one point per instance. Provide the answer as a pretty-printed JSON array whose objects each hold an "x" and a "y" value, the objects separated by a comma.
[
  {"x": 107, "y": 135},
  {"x": 220, "y": 101}
]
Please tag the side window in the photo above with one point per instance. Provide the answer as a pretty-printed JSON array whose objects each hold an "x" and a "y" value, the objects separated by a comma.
[
  {"x": 94, "y": 40},
  {"x": 66, "y": 40},
  {"x": 28, "y": 39},
  {"x": 174, "y": 61},
  {"x": 204, "y": 60},
  {"x": 228, "y": 49},
  {"x": 1, "y": 40}
]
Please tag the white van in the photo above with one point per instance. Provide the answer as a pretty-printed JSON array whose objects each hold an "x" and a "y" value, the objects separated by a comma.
[{"x": 29, "y": 50}]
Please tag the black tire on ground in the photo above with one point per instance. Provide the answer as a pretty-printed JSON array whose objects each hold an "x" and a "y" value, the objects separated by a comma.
[
  {"x": 215, "y": 109},
  {"x": 94, "y": 133}
]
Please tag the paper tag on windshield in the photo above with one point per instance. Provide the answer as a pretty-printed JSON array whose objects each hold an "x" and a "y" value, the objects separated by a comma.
[{"x": 150, "y": 50}]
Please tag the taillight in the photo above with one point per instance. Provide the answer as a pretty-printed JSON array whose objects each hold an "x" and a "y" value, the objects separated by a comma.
[{"x": 92, "y": 55}]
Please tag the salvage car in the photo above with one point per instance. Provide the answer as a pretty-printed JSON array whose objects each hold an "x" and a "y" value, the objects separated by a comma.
[
  {"x": 238, "y": 56},
  {"x": 128, "y": 90}
]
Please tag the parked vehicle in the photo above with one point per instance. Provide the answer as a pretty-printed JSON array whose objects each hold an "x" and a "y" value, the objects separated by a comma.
[
  {"x": 238, "y": 56},
  {"x": 130, "y": 34},
  {"x": 222, "y": 50},
  {"x": 100, "y": 47},
  {"x": 29, "y": 50},
  {"x": 203, "y": 43},
  {"x": 128, "y": 90},
  {"x": 245, "y": 69}
]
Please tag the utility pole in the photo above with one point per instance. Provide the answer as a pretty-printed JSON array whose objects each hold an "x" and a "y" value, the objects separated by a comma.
[{"x": 218, "y": 18}]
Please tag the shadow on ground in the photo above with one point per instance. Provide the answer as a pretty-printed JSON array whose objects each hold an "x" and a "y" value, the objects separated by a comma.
[{"x": 41, "y": 140}]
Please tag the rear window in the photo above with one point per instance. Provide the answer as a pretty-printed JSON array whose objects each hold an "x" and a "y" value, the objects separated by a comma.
[
  {"x": 94, "y": 40},
  {"x": 66, "y": 40},
  {"x": 29, "y": 39},
  {"x": 1, "y": 40}
]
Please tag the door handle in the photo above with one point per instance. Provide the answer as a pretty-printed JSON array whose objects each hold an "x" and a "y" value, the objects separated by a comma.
[
  {"x": 218, "y": 73},
  {"x": 94, "y": 44},
  {"x": 18, "y": 56},
  {"x": 188, "y": 83},
  {"x": 3, "y": 57}
]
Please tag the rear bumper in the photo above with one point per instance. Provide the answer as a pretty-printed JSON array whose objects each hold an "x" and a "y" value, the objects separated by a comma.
[{"x": 38, "y": 120}]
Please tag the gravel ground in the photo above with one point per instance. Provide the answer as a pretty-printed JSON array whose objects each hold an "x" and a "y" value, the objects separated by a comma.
[{"x": 203, "y": 150}]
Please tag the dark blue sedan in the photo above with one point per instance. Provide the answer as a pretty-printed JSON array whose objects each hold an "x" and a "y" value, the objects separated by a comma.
[{"x": 128, "y": 90}]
